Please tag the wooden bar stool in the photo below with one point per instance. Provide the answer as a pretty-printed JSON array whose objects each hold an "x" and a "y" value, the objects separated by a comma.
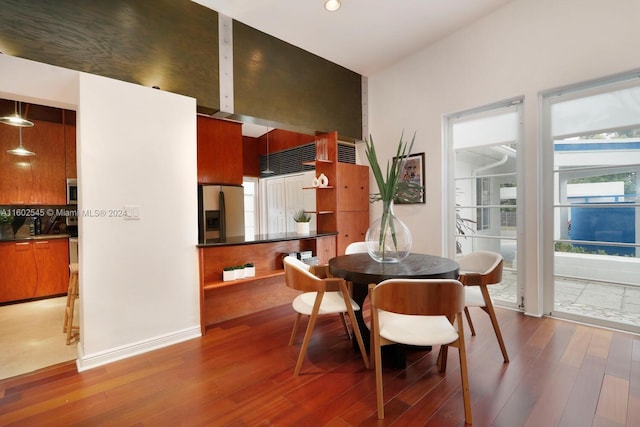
[{"x": 72, "y": 295}]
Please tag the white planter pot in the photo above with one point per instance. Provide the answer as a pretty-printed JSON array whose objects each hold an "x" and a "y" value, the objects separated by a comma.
[
  {"x": 228, "y": 275},
  {"x": 302, "y": 227},
  {"x": 249, "y": 272},
  {"x": 240, "y": 273}
]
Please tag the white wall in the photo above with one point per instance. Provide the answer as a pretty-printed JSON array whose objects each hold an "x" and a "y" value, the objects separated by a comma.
[
  {"x": 138, "y": 279},
  {"x": 521, "y": 49}
]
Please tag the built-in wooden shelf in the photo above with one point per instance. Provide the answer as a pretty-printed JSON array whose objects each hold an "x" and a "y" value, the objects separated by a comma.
[
  {"x": 259, "y": 275},
  {"x": 320, "y": 212},
  {"x": 315, "y": 162},
  {"x": 328, "y": 187}
]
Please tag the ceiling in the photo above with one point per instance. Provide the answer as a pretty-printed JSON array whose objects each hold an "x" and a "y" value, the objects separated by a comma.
[{"x": 364, "y": 36}]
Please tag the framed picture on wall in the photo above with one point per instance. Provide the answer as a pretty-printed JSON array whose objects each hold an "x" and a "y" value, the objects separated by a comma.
[{"x": 411, "y": 185}]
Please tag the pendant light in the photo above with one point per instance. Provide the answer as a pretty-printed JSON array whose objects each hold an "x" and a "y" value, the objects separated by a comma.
[
  {"x": 16, "y": 119},
  {"x": 20, "y": 150},
  {"x": 267, "y": 171}
]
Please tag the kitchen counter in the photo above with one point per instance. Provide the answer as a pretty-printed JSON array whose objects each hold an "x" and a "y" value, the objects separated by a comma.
[
  {"x": 38, "y": 237},
  {"x": 262, "y": 238}
]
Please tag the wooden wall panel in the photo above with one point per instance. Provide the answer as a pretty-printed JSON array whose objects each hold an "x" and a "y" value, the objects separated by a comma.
[
  {"x": 285, "y": 84},
  {"x": 172, "y": 44}
]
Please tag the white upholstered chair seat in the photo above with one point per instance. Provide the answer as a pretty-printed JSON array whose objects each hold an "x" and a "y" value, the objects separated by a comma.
[
  {"x": 473, "y": 297},
  {"x": 416, "y": 330},
  {"x": 332, "y": 303}
]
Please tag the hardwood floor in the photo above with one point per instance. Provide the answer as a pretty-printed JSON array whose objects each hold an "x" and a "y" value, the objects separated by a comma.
[{"x": 241, "y": 374}]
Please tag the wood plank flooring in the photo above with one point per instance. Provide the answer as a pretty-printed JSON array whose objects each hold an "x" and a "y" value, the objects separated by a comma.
[{"x": 241, "y": 374}]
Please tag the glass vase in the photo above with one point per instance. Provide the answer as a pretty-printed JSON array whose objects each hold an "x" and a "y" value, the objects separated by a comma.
[{"x": 388, "y": 239}]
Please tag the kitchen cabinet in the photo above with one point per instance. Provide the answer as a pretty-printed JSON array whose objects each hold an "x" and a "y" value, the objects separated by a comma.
[
  {"x": 219, "y": 152},
  {"x": 52, "y": 262},
  {"x": 352, "y": 227},
  {"x": 34, "y": 180},
  {"x": 352, "y": 204},
  {"x": 325, "y": 249},
  {"x": 353, "y": 187},
  {"x": 70, "y": 151},
  {"x": 33, "y": 269},
  {"x": 19, "y": 273}
]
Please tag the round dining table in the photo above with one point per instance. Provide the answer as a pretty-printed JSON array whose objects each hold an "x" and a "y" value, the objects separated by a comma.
[{"x": 361, "y": 270}]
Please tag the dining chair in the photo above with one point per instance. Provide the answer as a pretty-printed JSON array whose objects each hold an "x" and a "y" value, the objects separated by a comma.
[
  {"x": 478, "y": 270},
  {"x": 320, "y": 295},
  {"x": 356, "y": 248},
  {"x": 420, "y": 312},
  {"x": 69, "y": 311}
]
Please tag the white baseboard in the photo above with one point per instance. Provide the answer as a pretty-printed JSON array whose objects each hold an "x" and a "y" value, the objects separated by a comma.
[{"x": 89, "y": 361}]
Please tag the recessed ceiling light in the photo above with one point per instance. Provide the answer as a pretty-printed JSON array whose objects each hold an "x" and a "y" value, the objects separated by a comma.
[{"x": 332, "y": 5}]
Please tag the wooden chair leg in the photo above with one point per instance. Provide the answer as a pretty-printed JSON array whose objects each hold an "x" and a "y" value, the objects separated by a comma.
[
  {"x": 69, "y": 311},
  {"x": 66, "y": 312},
  {"x": 377, "y": 362},
  {"x": 70, "y": 315},
  {"x": 464, "y": 374},
  {"x": 494, "y": 321},
  {"x": 295, "y": 328},
  {"x": 356, "y": 332},
  {"x": 305, "y": 343},
  {"x": 307, "y": 334},
  {"x": 442, "y": 358},
  {"x": 344, "y": 324},
  {"x": 466, "y": 313}
]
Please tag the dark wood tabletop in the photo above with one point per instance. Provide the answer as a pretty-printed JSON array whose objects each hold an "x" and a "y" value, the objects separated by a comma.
[{"x": 361, "y": 269}]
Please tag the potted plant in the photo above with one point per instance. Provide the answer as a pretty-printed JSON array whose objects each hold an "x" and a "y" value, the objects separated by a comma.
[
  {"x": 388, "y": 238},
  {"x": 249, "y": 270},
  {"x": 239, "y": 271},
  {"x": 302, "y": 222},
  {"x": 228, "y": 274}
]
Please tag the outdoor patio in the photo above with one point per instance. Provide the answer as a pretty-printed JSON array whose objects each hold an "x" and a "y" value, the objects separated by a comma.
[{"x": 615, "y": 303}]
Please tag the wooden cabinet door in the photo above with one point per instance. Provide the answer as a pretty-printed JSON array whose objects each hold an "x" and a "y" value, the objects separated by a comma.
[
  {"x": 353, "y": 187},
  {"x": 19, "y": 275},
  {"x": 70, "y": 151},
  {"x": 325, "y": 249},
  {"x": 52, "y": 260},
  {"x": 38, "y": 179},
  {"x": 352, "y": 227},
  {"x": 219, "y": 152}
]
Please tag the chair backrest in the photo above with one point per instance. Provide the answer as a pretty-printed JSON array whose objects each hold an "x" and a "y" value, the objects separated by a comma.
[
  {"x": 356, "y": 248},
  {"x": 297, "y": 276},
  {"x": 425, "y": 297},
  {"x": 488, "y": 264}
]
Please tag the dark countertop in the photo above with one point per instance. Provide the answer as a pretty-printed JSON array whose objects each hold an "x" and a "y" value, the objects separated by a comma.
[
  {"x": 262, "y": 238},
  {"x": 38, "y": 237}
]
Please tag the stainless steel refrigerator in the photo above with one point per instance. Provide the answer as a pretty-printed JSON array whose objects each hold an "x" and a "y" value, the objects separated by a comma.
[{"x": 220, "y": 212}]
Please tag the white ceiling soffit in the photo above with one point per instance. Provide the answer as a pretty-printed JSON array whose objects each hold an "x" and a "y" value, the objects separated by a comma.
[{"x": 364, "y": 36}]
